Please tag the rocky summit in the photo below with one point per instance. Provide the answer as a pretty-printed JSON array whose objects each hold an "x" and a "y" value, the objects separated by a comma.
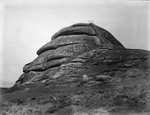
[
  {"x": 64, "y": 54},
  {"x": 83, "y": 70}
]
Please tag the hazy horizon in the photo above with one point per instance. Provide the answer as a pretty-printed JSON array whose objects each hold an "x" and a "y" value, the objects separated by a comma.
[{"x": 26, "y": 25}]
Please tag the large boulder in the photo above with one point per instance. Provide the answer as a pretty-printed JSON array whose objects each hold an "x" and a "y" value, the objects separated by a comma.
[
  {"x": 66, "y": 45},
  {"x": 85, "y": 70}
]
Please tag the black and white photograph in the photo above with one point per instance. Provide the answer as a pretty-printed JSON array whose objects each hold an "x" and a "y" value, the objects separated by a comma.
[{"x": 74, "y": 57}]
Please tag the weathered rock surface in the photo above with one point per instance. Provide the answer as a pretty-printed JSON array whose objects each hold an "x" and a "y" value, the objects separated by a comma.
[
  {"x": 85, "y": 70},
  {"x": 66, "y": 45}
]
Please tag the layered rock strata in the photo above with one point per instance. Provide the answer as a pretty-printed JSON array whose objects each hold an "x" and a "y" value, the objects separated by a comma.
[{"x": 66, "y": 45}]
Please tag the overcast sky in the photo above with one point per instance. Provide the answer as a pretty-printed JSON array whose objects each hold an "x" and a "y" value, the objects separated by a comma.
[{"x": 26, "y": 25}]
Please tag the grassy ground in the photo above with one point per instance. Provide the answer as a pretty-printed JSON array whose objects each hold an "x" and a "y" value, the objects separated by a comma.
[{"x": 127, "y": 93}]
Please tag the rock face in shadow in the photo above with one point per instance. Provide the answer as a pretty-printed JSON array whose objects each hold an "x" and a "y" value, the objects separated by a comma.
[{"x": 84, "y": 68}]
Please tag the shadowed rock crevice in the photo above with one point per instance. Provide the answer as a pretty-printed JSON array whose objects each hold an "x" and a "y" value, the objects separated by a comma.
[{"x": 100, "y": 32}]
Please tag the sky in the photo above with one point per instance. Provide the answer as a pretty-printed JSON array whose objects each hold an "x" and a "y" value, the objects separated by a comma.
[{"x": 26, "y": 25}]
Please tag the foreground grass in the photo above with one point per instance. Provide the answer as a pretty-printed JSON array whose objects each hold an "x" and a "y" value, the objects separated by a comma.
[
  {"x": 127, "y": 93},
  {"x": 44, "y": 110}
]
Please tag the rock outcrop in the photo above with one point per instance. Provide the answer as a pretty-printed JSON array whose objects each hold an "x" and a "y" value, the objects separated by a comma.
[
  {"x": 64, "y": 51},
  {"x": 84, "y": 69}
]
